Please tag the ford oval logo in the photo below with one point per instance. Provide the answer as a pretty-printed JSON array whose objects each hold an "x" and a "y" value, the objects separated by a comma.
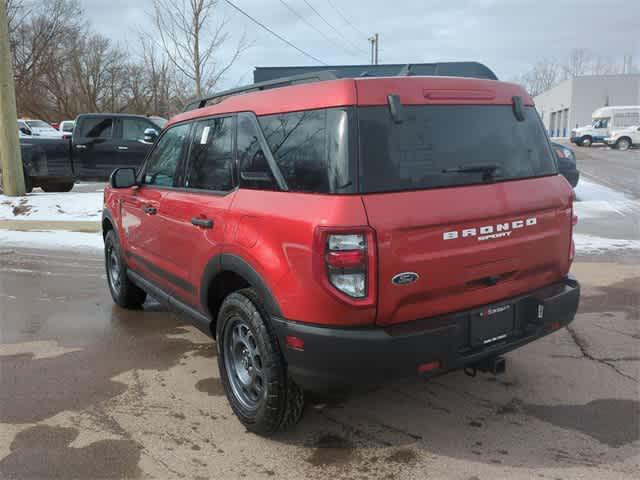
[{"x": 404, "y": 278}]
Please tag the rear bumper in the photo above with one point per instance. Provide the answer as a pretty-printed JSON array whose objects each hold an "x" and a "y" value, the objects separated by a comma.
[{"x": 335, "y": 359}]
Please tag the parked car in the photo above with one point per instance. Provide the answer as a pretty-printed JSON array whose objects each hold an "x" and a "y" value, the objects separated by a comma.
[
  {"x": 326, "y": 239},
  {"x": 605, "y": 120},
  {"x": 625, "y": 138},
  {"x": 37, "y": 128},
  {"x": 66, "y": 128},
  {"x": 567, "y": 163},
  {"x": 100, "y": 143}
]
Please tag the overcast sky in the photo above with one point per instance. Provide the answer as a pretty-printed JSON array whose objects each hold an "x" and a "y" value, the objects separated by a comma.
[{"x": 506, "y": 35}]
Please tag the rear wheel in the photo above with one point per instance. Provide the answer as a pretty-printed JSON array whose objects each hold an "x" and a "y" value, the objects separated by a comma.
[
  {"x": 586, "y": 141},
  {"x": 252, "y": 368},
  {"x": 123, "y": 291},
  {"x": 57, "y": 187},
  {"x": 623, "y": 144}
]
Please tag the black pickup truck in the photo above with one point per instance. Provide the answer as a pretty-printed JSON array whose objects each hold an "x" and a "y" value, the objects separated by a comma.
[{"x": 101, "y": 142}]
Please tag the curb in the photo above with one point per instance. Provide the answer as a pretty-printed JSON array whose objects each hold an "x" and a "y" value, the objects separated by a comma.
[{"x": 46, "y": 225}]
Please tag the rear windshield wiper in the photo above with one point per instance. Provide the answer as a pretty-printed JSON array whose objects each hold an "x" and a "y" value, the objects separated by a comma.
[{"x": 488, "y": 170}]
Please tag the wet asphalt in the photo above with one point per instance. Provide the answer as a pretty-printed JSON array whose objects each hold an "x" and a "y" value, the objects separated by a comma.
[{"x": 88, "y": 390}]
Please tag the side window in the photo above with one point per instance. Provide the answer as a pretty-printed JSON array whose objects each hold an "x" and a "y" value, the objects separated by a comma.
[
  {"x": 133, "y": 128},
  {"x": 97, "y": 128},
  {"x": 311, "y": 149},
  {"x": 211, "y": 155},
  {"x": 255, "y": 172},
  {"x": 164, "y": 160}
]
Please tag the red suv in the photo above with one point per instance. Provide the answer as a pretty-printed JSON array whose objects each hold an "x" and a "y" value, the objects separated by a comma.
[{"x": 336, "y": 233}]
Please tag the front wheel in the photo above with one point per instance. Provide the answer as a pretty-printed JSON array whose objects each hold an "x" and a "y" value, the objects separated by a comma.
[
  {"x": 623, "y": 144},
  {"x": 586, "y": 141},
  {"x": 123, "y": 291},
  {"x": 252, "y": 368}
]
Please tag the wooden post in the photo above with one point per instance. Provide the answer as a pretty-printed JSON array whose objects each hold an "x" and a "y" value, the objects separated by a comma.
[{"x": 10, "y": 157}]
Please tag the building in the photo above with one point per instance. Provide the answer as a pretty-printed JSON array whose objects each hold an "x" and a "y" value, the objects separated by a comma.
[
  {"x": 571, "y": 103},
  {"x": 453, "y": 69}
]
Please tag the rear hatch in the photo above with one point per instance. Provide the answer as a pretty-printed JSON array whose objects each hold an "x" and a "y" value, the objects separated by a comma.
[{"x": 466, "y": 203}]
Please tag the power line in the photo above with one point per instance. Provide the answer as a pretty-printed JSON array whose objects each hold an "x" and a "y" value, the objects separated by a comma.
[
  {"x": 326, "y": 37},
  {"x": 346, "y": 19},
  {"x": 274, "y": 33},
  {"x": 333, "y": 28}
]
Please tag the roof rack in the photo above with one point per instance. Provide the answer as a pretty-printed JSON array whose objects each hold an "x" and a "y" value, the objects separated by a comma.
[{"x": 269, "y": 84}]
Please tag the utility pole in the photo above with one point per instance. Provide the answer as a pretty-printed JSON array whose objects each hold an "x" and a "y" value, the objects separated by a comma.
[
  {"x": 374, "y": 49},
  {"x": 377, "y": 43},
  {"x": 10, "y": 158}
]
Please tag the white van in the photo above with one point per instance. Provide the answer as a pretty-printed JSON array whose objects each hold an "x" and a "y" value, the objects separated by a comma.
[{"x": 605, "y": 121}]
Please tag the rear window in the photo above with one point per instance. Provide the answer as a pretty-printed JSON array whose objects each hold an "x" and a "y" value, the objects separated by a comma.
[
  {"x": 432, "y": 138},
  {"x": 312, "y": 149}
]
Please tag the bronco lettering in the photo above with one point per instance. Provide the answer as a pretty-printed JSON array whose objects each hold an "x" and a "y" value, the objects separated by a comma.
[{"x": 491, "y": 232}]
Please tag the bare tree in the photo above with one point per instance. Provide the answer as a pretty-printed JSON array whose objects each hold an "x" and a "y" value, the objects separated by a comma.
[
  {"x": 192, "y": 35},
  {"x": 544, "y": 75},
  {"x": 578, "y": 63}
]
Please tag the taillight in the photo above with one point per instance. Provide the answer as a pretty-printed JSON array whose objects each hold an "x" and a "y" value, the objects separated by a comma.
[{"x": 345, "y": 261}]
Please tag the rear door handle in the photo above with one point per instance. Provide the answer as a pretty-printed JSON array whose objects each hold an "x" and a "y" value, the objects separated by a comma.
[
  {"x": 121, "y": 147},
  {"x": 202, "y": 222},
  {"x": 81, "y": 147},
  {"x": 149, "y": 210}
]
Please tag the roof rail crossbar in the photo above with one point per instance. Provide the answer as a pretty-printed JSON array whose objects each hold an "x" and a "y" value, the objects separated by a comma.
[{"x": 269, "y": 84}]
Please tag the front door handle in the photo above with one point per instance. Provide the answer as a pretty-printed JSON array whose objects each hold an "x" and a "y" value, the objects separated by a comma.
[
  {"x": 149, "y": 210},
  {"x": 202, "y": 222},
  {"x": 122, "y": 147},
  {"x": 81, "y": 147}
]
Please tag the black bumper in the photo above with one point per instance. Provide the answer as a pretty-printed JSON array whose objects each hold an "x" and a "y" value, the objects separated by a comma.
[{"x": 336, "y": 359}]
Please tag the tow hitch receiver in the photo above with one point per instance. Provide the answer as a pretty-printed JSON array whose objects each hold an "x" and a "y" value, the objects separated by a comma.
[{"x": 493, "y": 365}]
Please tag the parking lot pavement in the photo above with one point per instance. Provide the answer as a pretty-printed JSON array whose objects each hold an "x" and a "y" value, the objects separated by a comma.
[
  {"x": 88, "y": 390},
  {"x": 610, "y": 167}
]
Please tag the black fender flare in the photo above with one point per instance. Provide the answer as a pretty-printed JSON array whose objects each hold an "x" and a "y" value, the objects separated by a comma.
[
  {"x": 226, "y": 262},
  {"x": 106, "y": 215}
]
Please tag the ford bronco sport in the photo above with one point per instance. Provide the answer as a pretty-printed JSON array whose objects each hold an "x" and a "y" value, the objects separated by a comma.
[{"x": 343, "y": 232}]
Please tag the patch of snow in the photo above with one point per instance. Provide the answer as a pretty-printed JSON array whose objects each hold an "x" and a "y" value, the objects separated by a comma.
[
  {"x": 593, "y": 200},
  {"x": 68, "y": 206},
  {"x": 590, "y": 244},
  {"x": 57, "y": 240}
]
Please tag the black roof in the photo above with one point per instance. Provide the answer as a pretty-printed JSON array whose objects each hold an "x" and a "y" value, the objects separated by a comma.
[{"x": 441, "y": 69}]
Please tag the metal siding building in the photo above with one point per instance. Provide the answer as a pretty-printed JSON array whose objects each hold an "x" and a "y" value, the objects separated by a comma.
[{"x": 571, "y": 103}]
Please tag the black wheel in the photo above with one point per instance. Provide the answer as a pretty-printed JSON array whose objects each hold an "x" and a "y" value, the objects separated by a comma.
[
  {"x": 586, "y": 141},
  {"x": 123, "y": 291},
  {"x": 623, "y": 144},
  {"x": 252, "y": 368},
  {"x": 57, "y": 187}
]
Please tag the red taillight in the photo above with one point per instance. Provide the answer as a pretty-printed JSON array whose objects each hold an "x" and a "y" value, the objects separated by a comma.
[
  {"x": 294, "y": 343},
  {"x": 348, "y": 259},
  {"x": 344, "y": 259},
  {"x": 427, "y": 367}
]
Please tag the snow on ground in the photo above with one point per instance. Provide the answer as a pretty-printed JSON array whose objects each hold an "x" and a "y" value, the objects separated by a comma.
[
  {"x": 69, "y": 206},
  {"x": 56, "y": 240},
  {"x": 590, "y": 244},
  {"x": 593, "y": 200}
]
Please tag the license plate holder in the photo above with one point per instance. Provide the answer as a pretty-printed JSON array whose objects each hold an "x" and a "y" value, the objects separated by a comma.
[{"x": 491, "y": 324}]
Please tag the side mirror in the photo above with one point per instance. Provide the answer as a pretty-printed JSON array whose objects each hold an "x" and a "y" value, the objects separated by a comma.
[
  {"x": 25, "y": 131},
  {"x": 150, "y": 135},
  {"x": 123, "y": 178}
]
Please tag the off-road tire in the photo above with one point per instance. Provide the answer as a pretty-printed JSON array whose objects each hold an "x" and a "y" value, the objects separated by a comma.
[
  {"x": 128, "y": 295},
  {"x": 282, "y": 402}
]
